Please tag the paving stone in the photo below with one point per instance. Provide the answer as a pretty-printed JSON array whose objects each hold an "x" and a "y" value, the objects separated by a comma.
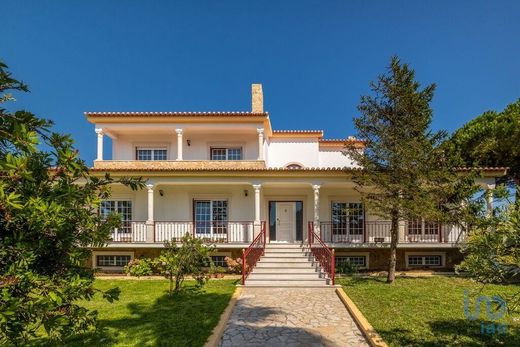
[{"x": 290, "y": 317}]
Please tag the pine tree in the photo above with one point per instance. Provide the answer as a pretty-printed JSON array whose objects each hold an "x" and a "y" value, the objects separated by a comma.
[{"x": 405, "y": 171}]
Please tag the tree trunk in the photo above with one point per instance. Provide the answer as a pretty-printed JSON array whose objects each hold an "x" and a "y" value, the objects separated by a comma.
[{"x": 394, "y": 232}]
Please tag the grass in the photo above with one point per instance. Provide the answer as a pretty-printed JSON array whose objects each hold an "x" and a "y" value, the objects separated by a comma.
[
  {"x": 145, "y": 315},
  {"x": 429, "y": 311}
]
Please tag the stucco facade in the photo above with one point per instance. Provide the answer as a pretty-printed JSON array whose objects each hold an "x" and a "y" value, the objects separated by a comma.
[{"x": 228, "y": 176}]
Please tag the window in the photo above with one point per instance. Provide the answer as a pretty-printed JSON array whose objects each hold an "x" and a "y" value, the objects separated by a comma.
[
  {"x": 211, "y": 216},
  {"x": 151, "y": 154},
  {"x": 112, "y": 260},
  {"x": 226, "y": 153},
  {"x": 123, "y": 207},
  {"x": 425, "y": 260},
  {"x": 357, "y": 260},
  {"x": 347, "y": 218},
  {"x": 415, "y": 227},
  {"x": 294, "y": 166},
  {"x": 219, "y": 260}
]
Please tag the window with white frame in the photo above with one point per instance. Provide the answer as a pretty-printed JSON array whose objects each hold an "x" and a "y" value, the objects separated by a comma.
[
  {"x": 359, "y": 261},
  {"x": 147, "y": 153},
  {"x": 123, "y": 208},
  {"x": 219, "y": 260},
  {"x": 110, "y": 260},
  {"x": 231, "y": 153},
  {"x": 347, "y": 218},
  {"x": 425, "y": 260},
  {"x": 211, "y": 216},
  {"x": 422, "y": 227}
]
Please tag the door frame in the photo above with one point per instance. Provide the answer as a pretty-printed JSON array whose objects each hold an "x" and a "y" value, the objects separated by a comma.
[{"x": 298, "y": 221}]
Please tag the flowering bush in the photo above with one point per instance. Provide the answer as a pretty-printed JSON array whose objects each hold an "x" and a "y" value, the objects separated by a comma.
[
  {"x": 139, "y": 267},
  {"x": 234, "y": 265}
]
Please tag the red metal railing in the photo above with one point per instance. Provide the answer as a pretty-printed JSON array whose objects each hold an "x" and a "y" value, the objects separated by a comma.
[
  {"x": 322, "y": 253},
  {"x": 252, "y": 254}
]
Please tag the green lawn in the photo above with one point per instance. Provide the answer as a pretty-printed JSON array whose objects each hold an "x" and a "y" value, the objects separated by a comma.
[
  {"x": 146, "y": 316},
  {"x": 429, "y": 311}
]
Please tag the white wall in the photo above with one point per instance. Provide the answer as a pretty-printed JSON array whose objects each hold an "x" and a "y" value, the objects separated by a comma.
[
  {"x": 333, "y": 158},
  {"x": 201, "y": 143},
  {"x": 283, "y": 151},
  {"x": 123, "y": 148}
]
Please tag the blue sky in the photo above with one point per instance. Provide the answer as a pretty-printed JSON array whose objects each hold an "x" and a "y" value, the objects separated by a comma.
[{"x": 314, "y": 58}]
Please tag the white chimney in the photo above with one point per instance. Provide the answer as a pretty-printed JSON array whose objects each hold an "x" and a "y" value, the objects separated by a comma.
[{"x": 257, "y": 98}]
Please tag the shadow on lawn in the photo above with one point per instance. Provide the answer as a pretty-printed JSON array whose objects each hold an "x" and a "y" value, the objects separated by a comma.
[
  {"x": 184, "y": 319},
  {"x": 452, "y": 332}
]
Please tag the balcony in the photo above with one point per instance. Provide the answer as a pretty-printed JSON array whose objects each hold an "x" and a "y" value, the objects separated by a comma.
[
  {"x": 220, "y": 232},
  {"x": 166, "y": 165},
  {"x": 378, "y": 232}
]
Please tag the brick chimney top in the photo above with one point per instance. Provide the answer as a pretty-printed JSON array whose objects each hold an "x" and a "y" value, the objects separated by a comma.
[{"x": 257, "y": 98}]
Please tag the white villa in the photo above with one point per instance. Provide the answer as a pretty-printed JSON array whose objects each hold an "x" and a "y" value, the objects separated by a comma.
[{"x": 228, "y": 177}]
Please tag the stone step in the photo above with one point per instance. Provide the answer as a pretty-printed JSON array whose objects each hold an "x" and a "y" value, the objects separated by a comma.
[
  {"x": 284, "y": 277},
  {"x": 284, "y": 255},
  {"x": 285, "y": 265},
  {"x": 283, "y": 245},
  {"x": 285, "y": 270},
  {"x": 283, "y": 250},
  {"x": 301, "y": 283},
  {"x": 284, "y": 260}
]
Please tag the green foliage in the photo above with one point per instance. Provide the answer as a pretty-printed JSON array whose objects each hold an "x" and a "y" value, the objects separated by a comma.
[
  {"x": 48, "y": 219},
  {"x": 491, "y": 139},
  {"x": 406, "y": 172},
  {"x": 492, "y": 251},
  {"x": 346, "y": 268},
  {"x": 139, "y": 267},
  {"x": 190, "y": 258}
]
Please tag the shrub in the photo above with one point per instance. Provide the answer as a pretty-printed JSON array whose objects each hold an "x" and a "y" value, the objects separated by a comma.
[
  {"x": 139, "y": 267},
  {"x": 346, "y": 268},
  {"x": 191, "y": 258},
  {"x": 234, "y": 265}
]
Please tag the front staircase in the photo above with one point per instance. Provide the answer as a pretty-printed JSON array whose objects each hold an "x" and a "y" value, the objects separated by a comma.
[{"x": 287, "y": 265}]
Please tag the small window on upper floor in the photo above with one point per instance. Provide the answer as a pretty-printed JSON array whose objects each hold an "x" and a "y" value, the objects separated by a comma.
[
  {"x": 294, "y": 166},
  {"x": 234, "y": 153},
  {"x": 151, "y": 153}
]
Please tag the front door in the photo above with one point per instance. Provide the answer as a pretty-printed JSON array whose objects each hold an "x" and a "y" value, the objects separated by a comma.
[{"x": 285, "y": 221}]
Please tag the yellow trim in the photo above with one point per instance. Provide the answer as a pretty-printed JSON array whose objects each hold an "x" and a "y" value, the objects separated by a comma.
[{"x": 373, "y": 338}]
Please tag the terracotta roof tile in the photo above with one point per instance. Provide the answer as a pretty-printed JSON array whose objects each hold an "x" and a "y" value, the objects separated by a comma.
[{"x": 173, "y": 114}]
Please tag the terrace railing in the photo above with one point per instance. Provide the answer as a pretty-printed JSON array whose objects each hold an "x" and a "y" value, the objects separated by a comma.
[
  {"x": 378, "y": 232},
  {"x": 210, "y": 231},
  {"x": 322, "y": 253},
  {"x": 130, "y": 231},
  {"x": 251, "y": 255}
]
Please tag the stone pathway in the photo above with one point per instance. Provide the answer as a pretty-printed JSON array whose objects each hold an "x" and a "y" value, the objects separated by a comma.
[{"x": 291, "y": 317}]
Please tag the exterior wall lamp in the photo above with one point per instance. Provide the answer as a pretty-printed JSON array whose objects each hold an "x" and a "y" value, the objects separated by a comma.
[{"x": 188, "y": 141}]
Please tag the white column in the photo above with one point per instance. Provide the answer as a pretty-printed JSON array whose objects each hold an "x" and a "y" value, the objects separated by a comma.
[
  {"x": 150, "y": 203},
  {"x": 260, "y": 143},
  {"x": 489, "y": 199},
  {"x": 179, "y": 143},
  {"x": 316, "y": 188},
  {"x": 257, "y": 202},
  {"x": 99, "y": 133}
]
